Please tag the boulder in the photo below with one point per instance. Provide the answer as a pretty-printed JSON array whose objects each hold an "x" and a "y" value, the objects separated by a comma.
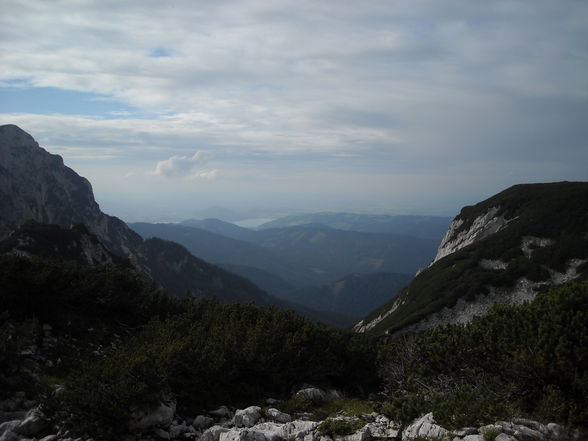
[
  {"x": 161, "y": 416},
  {"x": 424, "y": 427},
  {"x": 221, "y": 412},
  {"x": 465, "y": 431},
  {"x": 9, "y": 435},
  {"x": 213, "y": 433},
  {"x": 202, "y": 422},
  {"x": 312, "y": 394},
  {"x": 271, "y": 431},
  {"x": 557, "y": 432},
  {"x": 33, "y": 423},
  {"x": 299, "y": 429},
  {"x": 473, "y": 438},
  {"x": 505, "y": 437},
  {"x": 383, "y": 428},
  {"x": 242, "y": 435},
  {"x": 49, "y": 438},
  {"x": 275, "y": 415},
  {"x": 247, "y": 417},
  {"x": 9, "y": 426}
]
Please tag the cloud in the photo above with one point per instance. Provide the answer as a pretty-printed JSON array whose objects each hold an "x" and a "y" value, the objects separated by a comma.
[
  {"x": 181, "y": 166},
  {"x": 208, "y": 175},
  {"x": 384, "y": 87}
]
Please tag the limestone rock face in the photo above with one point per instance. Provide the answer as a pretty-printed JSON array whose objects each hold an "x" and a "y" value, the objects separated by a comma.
[
  {"x": 32, "y": 424},
  {"x": 424, "y": 427},
  {"x": 483, "y": 226},
  {"x": 35, "y": 184},
  {"x": 247, "y": 417},
  {"x": 277, "y": 416}
]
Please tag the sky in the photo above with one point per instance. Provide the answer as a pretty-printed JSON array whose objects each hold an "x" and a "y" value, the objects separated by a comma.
[{"x": 270, "y": 107}]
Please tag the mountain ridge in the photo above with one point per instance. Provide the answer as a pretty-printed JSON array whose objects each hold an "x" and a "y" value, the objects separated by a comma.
[
  {"x": 502, "y": 250},
  {"x": 36, "y": 185}
]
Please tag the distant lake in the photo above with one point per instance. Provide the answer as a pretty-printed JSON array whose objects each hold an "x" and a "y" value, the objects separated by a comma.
[{"x": 253, "y": 223}]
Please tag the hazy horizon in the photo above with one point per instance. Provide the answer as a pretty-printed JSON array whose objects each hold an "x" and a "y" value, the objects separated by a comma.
[{"x": 406, "y": 107}]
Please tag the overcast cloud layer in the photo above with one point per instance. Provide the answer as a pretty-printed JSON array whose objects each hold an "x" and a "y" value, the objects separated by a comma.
[{"x": 408, "y": 105}]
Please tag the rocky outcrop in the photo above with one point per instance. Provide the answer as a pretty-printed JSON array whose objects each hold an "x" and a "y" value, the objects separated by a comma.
[
  {"x": 490, "y": 255},
  {"x": 481, "y": 227},
  {"x": 35, "y": 184},
  {"x": 424, "y": 427}
]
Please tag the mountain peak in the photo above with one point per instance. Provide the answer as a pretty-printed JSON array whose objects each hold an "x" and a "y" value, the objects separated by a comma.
[{"x": 16, "y": 134}]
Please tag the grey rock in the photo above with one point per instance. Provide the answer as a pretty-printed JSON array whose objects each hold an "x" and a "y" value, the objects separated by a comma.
[
  {"x": 242, "y": 435},
  {"x": 473, "y": 438},
  {"x": 423, "y": 427},
  {"x": 9, "y": 426},
  {"x": 557, "y": 432},
  {"x": 161, "y": 416},
  {"x": 271, "y": 431},
  {"x": 333, "y": 394},
  {"x": 299, "y": 429},
  {"x": 383, "y": 428},
  {"x": 9, "y": 435},
  {"x": 273, "y": 414},
  {"x": 33, "y": 423},
  {"x": 177, "y": 430},
  {"x": 202, "y": 422},
  {"x": 49, "y": 438},
  {"x": 535, "y": 425},
  {"x": 221, "y": 412},
  {"x": 213, "y": 433},
  {"x": 311, "y": 393},
  {"x": 505, "y": 437},
  {"x": 465, "y": 431},
  {"x": 247, "y": 417},
  {"x": 524, "y": 433}
]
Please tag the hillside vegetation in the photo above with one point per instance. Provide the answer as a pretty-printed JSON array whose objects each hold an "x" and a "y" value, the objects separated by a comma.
[
  {"x": 122, "y": 346},
  {"x": 534, "y": 211}
]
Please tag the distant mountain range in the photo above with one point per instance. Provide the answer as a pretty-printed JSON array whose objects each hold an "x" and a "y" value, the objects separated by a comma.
[
  {"x": 305, "y": 255},
  {"x": 68, "y": 223},
  {"x": 505, "y": 249},
  {"x": 425, "y": 227}
]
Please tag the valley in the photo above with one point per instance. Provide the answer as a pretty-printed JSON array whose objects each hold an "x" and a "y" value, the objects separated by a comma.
[{"x": 208, "y": 331}]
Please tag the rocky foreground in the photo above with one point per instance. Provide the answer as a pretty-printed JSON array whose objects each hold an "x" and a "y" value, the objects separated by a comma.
[{"x": 267, "y": 423}]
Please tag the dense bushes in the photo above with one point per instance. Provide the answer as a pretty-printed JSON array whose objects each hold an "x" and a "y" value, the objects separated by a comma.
[
  {"x": 530, "y": 359},
  {"x": 67, "y": 295},
  {"x": 215, "y": 354}
]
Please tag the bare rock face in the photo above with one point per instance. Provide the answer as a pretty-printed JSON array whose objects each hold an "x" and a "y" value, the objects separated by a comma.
[
  {"x": 36, "y": 185},
  {"x": 483, "y": 226}
]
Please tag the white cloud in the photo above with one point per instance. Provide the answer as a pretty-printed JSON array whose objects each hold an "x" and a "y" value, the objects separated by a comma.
[
  {"x": 404, "y": 86},
  {"x": 182, "y": 166},
  {"x": 205, "y": 174}
]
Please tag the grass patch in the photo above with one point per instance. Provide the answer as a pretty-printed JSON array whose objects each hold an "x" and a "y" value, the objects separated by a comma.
[{"x": 339, "y": 427}]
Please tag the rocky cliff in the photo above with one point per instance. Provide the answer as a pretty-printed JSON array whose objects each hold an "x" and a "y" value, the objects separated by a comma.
[
  {"x": 35, "y": 185},
  {"x": 503, "y": 250}
]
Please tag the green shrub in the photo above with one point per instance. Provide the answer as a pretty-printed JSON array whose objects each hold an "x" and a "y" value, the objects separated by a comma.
[
  {"x": 339, "y": 427},
  {"x": 212, "y": 354},
  {"x": 528, "y": 360}
]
